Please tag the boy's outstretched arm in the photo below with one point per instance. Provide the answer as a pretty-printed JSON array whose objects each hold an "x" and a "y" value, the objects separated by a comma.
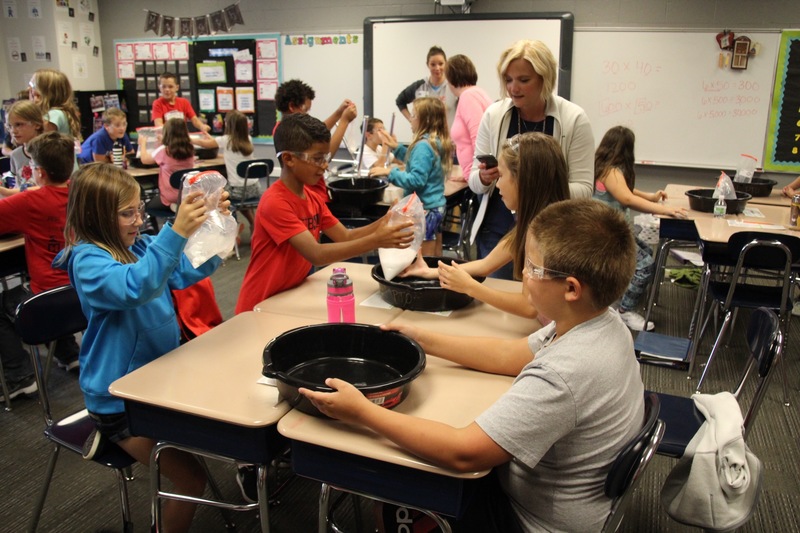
[{"x": 461, "y": 449}]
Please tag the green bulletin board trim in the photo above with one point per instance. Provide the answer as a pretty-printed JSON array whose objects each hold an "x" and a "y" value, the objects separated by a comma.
[{"x": 784, "y": 106}]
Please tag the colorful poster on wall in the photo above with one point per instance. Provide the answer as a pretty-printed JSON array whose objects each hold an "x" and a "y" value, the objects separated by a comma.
[
  {"x": 206, "y": 100},
  {"x": 243, "y": 71},
  {"x": 246, "y": 99},
  {"x": 268, "y": 70},
  {"x": 783, "y": 131},
  {"x": 225, "y": 101},
  {"x": 211, "y": 72},
  {"x": 143, "y": 51},
  {"x": 267, "y": 90},
  {"x": 267, "y": 48},
  {"x": 161, "y": 51},
  {"x": 179, "y": 50},
  {"x": 126, "y": 70}
]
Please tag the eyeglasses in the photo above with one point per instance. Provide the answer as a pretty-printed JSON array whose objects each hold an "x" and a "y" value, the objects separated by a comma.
[
  {"x": 128, "y": 216},
  {"x": 318, "y": 160},
  {"x": 539, "y": 272},
  {"x": 17, "y": 125}
]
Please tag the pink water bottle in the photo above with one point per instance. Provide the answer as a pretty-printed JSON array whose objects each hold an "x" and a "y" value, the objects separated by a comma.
[{"x": 341, "y": 300}]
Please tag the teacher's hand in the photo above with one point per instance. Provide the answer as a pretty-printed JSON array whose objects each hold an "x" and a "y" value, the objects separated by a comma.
[{"x": 487, "y": 176}]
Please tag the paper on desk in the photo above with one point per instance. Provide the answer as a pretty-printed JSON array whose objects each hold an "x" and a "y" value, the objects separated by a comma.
[
  {"x": 753, "y": 225},
  {"x": 264, "y": 380},
  {"x": 753, "y": 212},
  {"x": 375, "y": 300},
  {"x": 688, "y": 256}
]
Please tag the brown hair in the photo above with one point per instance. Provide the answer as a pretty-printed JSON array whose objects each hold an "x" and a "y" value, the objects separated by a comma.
[
  {"x": 616, "y": 151},
  {"x": 237, "y": 130},
  {"x": 111, "y": 113},
  {"x": 96, "y": 194},
  {"x": 56, "y": 92},
  {"x": 538, "y": 55},
  {"x": 435, "y": 51},
  {"x": 175, "y": 137},
  {"x": 432, "y": 120},
  {"x": 538, "y": 168},
  {"x": 55, "y": 153},
  {"x": 460, "y": 71},
  {"x": 168, "y": 76},
  {"x": 592, "y": 242}
]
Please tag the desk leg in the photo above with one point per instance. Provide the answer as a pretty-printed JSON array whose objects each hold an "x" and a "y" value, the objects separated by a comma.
[
  {"x": 155, "y": 488},
  {"x": 324, "y": 503},
  {"x": 695, "y": 330},
  {"x": 263, "y": 497}
]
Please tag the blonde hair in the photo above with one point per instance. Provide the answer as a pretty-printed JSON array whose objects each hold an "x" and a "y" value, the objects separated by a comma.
[
  {"x": 56, "y": 92},
  {"x": 96, "y": 193},
  {"x": 237, "y": 130},
  {"x": 538, "y": 55},
  {"x": 432, "y": 120},
  {"x": 112, "y": 113},
  {"x": 29, "y": 111}
]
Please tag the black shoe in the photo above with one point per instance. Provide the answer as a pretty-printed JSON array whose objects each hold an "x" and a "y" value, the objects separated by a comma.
[
  {"x": 94, "y": 445},
  {"x": 26, "y": 386},
  {"x": 247, "y": 480}
]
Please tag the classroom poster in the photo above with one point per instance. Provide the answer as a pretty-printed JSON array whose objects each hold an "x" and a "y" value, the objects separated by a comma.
[
  {"x": 14, "y": 49},
  {"x": 39, "y": 46},
  {"x": 161, "y": 51},
  {"x": 783, "y": 131},
  {"x": 211, "y": 72},
  {"x": 246, "y": 99},
  {"x": 243, "y": 71},
  {"x": 268, "y": 70},
  {"x": 34, "y": 9},
  {"x": 206, "y": 100},
  {"x": 125, "y": 52},
  {"x": 267, "y": 49},
  {"x": 64, "y": 30},
  {"x": 126, "y": 70},
  {"x": 80, "y": 68},
  {"x": 179, "y": 50},
  {"x": 267, "y": 90},
  {"x": 86, "y": 33},
  {"x": 143, "y": 51},
  {"x": 225, "y": 101},
  {"x": 10, "y": 9}
]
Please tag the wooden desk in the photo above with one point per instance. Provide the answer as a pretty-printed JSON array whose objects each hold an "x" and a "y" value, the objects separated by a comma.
[
  {"x": 204, "y": 395},
  {"x": 775, "y": 198},
  {"x": 309, "y": 298}
]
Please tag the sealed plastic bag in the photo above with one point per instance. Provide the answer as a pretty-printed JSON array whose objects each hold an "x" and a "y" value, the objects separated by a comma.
[
  {"x": 724, "y": 187},
  {"x": 217, "y": 235},
  {"x": 395, "y": 260}
]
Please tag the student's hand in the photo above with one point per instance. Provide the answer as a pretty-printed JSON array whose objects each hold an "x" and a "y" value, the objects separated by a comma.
[
  {"x": 412, "y": 332},
  {"x": 453, "y": 277},
  {"x": 344, "y": 105},
  {"x": 350, "y": 113},
  {"x": 420, "y": 269},
  {"x": 345, "y": 404},
  {"x": 788, "y": 191},
  {"x": 379, "y": 171},
  {"x": 224, "y": 203},
  {"x": 205, "y": 128},
  {"x": 658, "y": 196},
  {"x": 393, "y": 236},
  {"x": 677, "y": 212},
  {"x": 388, "y": 140},
  {"x": 191, "y": 214},
  {"x": 487, "y": 176}
]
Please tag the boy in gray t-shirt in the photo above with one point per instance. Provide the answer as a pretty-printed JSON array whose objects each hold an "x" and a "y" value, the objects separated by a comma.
[{"x": 577, "y": 398}]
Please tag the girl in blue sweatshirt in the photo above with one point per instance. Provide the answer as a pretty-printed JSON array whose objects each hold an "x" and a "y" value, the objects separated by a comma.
[
  {"x": 122, "y": 279},
  {"x": 428, "y": 161}
]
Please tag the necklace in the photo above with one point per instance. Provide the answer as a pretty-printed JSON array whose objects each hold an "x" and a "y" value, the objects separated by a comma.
[{"x": 522, "y": 125}]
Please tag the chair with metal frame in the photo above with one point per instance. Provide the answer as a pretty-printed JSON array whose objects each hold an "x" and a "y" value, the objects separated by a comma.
[
  {"x": 460, "y": 211},
  {"x": 763, "y": 276},
  {"x": 42, "y": 319},
  {"x": 163, "y": 211},
  {"x": 252, "y": 169},
  {"x": 631, "y": 462},
  {"x": 765, "y": 343}
]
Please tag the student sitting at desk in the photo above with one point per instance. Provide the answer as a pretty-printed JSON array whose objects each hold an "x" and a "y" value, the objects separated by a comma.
[
  {"x": 100, "y": 144},
  {"x": 24, "y": 123},
  {"x": 533, "y": 174},
  {"x": 289, "y": 219},
  {"x": 614, "y": 184},
  {"x": 169, "y": 105},
  {"x": 577, "y": 397},
  {"x": 122, "y": 280},
  {"x": 377, "y": 144}
]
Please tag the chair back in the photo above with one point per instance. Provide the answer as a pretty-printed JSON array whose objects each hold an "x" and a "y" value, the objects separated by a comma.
[
  {"x": 765, "y": 341},
  {"x": 629, "y": 465},
  {"x": 176, "y": 178},
  {"x": 43, "y": 319},
  {"x": 255, "y": 168}
]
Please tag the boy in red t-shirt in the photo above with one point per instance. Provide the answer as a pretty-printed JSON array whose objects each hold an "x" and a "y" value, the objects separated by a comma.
[
  {"x": 39, "y": 214},
  {"x": 170, "y": 105},
  {"x": 289, "y": 220}
]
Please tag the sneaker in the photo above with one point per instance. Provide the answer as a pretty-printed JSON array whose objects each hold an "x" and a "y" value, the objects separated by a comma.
[
  {"x": 26, "y": 386},
  {"x": 247, "y": 481},
  {"x": 635, "y": 321},
  {"x": 796, "y": 308},
  {"x": 94, "y": 445},
  {"x": 68, "y": 365}
]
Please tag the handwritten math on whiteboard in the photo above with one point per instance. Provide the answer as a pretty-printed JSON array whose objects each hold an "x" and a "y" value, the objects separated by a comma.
[{"x": 669, "y": 88}]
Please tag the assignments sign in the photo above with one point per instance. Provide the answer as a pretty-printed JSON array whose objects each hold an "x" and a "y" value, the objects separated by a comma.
[{"x": 783, "y": 133}]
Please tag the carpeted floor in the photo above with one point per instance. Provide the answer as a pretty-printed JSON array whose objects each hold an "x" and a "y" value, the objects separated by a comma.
[{"x": 83, "y": 496}]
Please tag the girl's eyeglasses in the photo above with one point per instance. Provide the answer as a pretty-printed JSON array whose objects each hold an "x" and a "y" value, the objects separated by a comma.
[
  {"x": 539, "y": 272},
  {"x": 17, "y": 125},
  {"x": 317, "y": 160},
  {"x": 128, "y": 216}
]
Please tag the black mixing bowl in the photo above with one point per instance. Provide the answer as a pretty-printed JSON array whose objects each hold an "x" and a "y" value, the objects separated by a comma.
[
  {"x": 357, "y": 193},
  {"x": 703, "y": 200}
]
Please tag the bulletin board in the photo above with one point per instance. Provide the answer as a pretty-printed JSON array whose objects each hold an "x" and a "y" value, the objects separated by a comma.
[
  {"x": 783, "y": 134},
  {"x": 686, "y": 107}
]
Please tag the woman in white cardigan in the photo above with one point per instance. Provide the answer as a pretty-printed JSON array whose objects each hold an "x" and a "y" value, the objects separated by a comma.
[{"x": 527, "y": 72}]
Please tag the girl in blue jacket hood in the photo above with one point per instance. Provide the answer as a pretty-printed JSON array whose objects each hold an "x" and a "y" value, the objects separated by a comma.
[{"x": 122, "y": 280}]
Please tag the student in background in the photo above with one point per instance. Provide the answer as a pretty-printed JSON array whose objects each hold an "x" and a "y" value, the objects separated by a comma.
[
  {"x": 435, "y": 86},
  {"x": 615, "y": 180},
  {"x": 169, "y": 105},
  {"x": 40, "y": 215},
  {"x": 100, "y": 144},
  {"x": 8, "y": 143},
  {"x": 377, "y": 145},
  {"x": 533, "y": 175},
  {"x": 290, "y": 218},
  {"x": 237, "y": 146},
  {"x": 791, "y": 189},
  {"x": 122, "y": 278},
  {"x": 428, "y": 161},
  {"x": 175, "y": 153},
  {"x": 52, "y": 91},
  {"x": 577, "y": 387},
  {"x": 24, "y": 124},
  {"x": 527, "y": 71},
  {"x": 472, "y": 102}
]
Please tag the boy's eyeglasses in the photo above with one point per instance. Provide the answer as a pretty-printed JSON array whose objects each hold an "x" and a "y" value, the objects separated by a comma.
[
  {"x": 539, "y": 272},
  {"x": 128, "y": 216},
  {"x": 318, "y": 160}
]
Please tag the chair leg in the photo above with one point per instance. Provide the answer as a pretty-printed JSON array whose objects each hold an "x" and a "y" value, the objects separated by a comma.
[
  {"x": 124, "y": 503},
  {"x": 212, "y": 483},
  {"x": 4, "y": 387},
  {"x": 39, "y": 504},
  {"x": 725, "y": 323},
  {"x": 659, "y": 262},
  {"x": 324, "y": 503},
  {"x": 786, "y": 320},
  {"x": 697, "y": 317}
]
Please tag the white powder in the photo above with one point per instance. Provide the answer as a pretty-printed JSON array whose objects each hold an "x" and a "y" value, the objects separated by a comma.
[{"x": 395, "y": 260}]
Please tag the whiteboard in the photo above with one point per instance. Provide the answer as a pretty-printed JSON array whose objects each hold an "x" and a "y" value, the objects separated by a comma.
[
  {"x": 395, "y": 51},
  {"x": 667, "y": 87},
  {"x": 334, "y": 71}
]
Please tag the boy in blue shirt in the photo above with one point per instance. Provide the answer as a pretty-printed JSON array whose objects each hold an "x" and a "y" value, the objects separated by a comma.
[{"x": 99, "y": 145}]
